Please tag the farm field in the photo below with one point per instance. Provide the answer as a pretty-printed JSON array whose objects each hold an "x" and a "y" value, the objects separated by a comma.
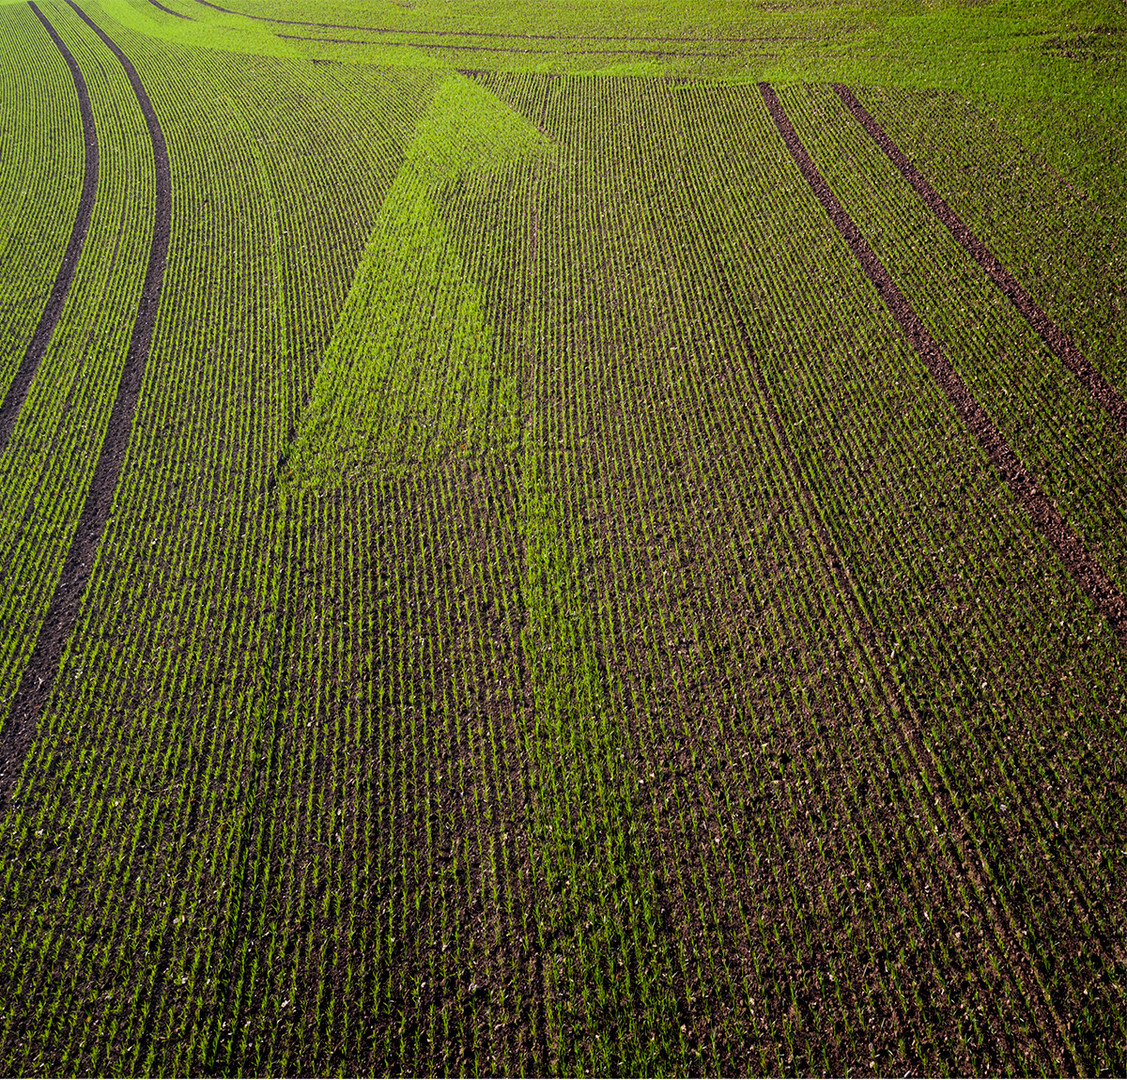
[{"x": 581, "y": 539}]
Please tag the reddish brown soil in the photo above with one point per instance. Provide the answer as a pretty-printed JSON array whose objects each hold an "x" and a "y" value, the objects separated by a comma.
[
  {"x": 17, "y": 389},
  {"x": 1103, "y": 593},
  {"x": 39, "y": 676},
  {"x": 1056, "y": 339}
]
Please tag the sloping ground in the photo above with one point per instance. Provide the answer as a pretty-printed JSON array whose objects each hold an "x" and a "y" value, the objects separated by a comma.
[{"x": 553, "y": 618}]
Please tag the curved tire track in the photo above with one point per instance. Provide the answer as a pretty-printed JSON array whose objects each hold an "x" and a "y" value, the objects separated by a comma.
[
  {"x": 38, "y": 678},
  {"x": 966, "y": 848},
  {"x": 507, "y": 49},
  {"x": 169, "y": 11},
  {"x": 1069, "y": 546},
  {"x": 491, "y": 33},
  {"x": 1058, "y": 342},
  {"x": 37, "y": 347}
]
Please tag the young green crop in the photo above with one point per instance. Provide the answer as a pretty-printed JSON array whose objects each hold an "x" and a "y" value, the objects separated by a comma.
[{"x": 550, "y": 621}]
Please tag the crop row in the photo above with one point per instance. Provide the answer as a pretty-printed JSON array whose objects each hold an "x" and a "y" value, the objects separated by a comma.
[
  {"x": 1071, "y": 447},
  {"x": 1062, "y": 762},
  {"x": 49, "y": 461},
  {"x": 688, "y": 583},
  {"x": 41, "y": 167},
  {"x": 775, "y": 261},
  {"x": 629, "y": 664},
  {"x": 1071, "y": 251},
  {"x": 1019, "y": 853},
  {"x": 602, "y": 895},
  {"x": 159, "y": 700}
]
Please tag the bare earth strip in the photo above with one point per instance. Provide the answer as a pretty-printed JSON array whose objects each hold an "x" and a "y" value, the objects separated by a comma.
[
  {"x": 39, "y": 676},
  {"x": 1105, "y": 596},
  {"x": 17, "y": 389},
  {"x": 1056, "y": 339}
]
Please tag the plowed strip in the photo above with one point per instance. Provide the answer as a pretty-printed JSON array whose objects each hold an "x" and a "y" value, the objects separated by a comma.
[
  {"x": 1056, "y": 339},
  {"x": 39, "y": 676},
  {"x": 1105, "y": 596},
  {"x": 17, "y": 389}
]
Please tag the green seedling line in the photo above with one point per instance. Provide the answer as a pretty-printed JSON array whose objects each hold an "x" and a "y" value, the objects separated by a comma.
[
  {"x": 16, "y": 390},
  {"x": 558, "y": 445},
  {"x": 1072, "y": 447},
  {"x": 1047, "y": 227},
  {"x": 50, "y": 457},
  {"x": 40, "y": 180}
]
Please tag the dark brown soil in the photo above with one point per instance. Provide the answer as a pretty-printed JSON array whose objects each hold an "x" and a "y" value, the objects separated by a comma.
[
  {"x": 17, "y": 389},
  {"x": 39, "y": 676},
  {"x": 898, "y": 700},
  {"x": 1104, "y": 594},
  {"x": 1056, "y": 339}
]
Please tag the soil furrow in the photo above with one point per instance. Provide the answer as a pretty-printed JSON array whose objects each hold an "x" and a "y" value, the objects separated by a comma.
[
  {"x": 1101, "y": 591},
  {"x": 39, "y": 676},
  {"x": 1059, "y": 343},
  {"x": 37, "y": 347}
]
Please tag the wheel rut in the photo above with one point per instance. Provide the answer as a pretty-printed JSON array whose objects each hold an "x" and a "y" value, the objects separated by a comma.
[
  {"x": 37, "y": 347},
  {"x": 1058, "y": 342},
  {"x": 416, "y": 32},
  {"x": 1069, "y": 546},
  {"x": 169, "y": 11},
  {"x": 38, "y": 678}
]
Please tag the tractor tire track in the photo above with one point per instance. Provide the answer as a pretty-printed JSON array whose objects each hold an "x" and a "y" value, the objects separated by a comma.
[
  {"x": 1069, "y": 546},
  {"x": 169, "y": 11},
  {"x": 494, "y": 33},
  {"x": 38, "y": 678},
  {"x": 900, "y": 704},
  {"x": 1058, "y": 342},
  {"x": 990, "y": 903},
  {"x": 509, "y": 49},
  {"x": 37, "y": 347}
]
